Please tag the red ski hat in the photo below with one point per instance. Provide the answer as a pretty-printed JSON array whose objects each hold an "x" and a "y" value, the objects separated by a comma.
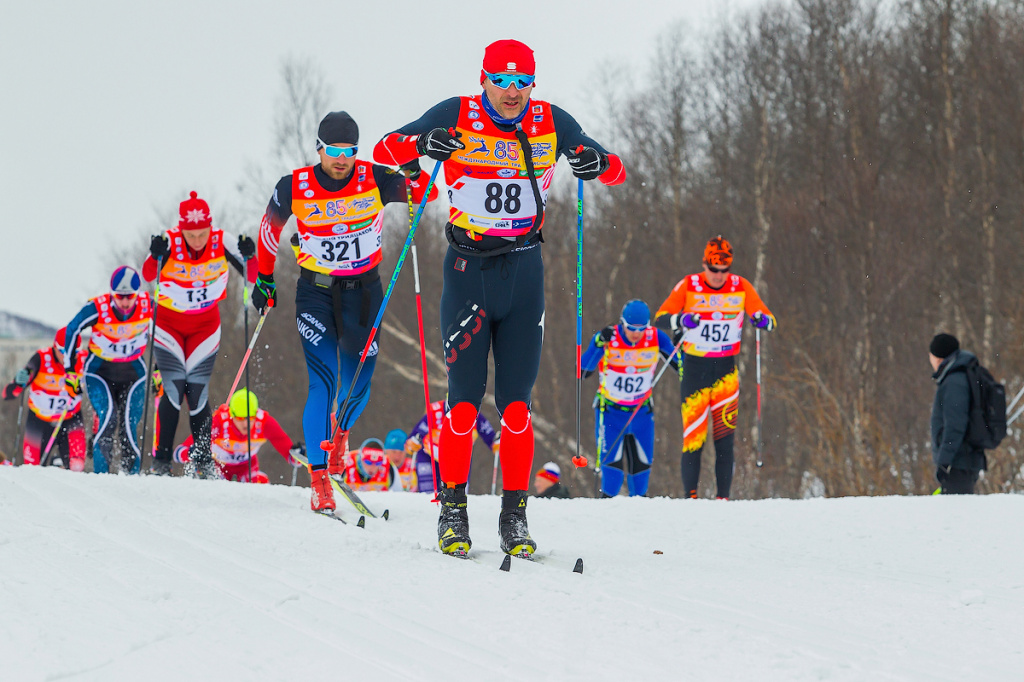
[
  {"x": 508, "y": 55},
  {"x": 194, "y": 213},
  {"x": 60, "y": 339}
]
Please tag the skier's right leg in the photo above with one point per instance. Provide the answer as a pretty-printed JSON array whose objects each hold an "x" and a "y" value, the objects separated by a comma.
[
  {"x": 696, "y": 410},
  {"x": 169, "y": 353},
  {"x": 314, "y": 317},
  {"x": 102, "y": 400},
  {"x": 466, "y": 337}
]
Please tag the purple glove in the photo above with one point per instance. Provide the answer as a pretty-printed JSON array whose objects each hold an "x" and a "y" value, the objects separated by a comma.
[
  {"x": 689, "y": 320},
  {"x": 762, "y": 321}
]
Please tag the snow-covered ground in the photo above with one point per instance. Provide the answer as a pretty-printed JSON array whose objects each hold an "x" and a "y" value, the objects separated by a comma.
[{"x": 118, "y": 578}]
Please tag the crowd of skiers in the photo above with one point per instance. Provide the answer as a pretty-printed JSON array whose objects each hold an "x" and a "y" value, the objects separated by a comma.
[{"x": 499, "y": 150}]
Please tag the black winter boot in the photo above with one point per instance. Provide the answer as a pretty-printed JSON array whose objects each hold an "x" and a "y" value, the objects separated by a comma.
[
  {"x": 453, "y": 524},
  {"x": 512, "y": 528}
]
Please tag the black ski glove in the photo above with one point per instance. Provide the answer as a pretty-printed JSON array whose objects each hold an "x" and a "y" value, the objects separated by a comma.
[
  {"x": 264, "y": 292},
  {"x": 439, "y": 144},
  {"x": 159, "y": 247},
  {"x": 246, "y": 247},
  {"x": 604, "y": 336},
  {"x": 587, "y": 163}
]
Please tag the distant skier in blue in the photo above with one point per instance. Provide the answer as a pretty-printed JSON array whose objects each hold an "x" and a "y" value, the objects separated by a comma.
[{"x": 625, "y": 356}]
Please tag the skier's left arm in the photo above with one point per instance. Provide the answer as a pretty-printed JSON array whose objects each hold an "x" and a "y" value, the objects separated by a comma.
[
  {"x": 594, "y": 160},
  {"x": 241, "y": 253},
  {"x": 278, "y": 438},
  {"x": 758, "y": 311}
]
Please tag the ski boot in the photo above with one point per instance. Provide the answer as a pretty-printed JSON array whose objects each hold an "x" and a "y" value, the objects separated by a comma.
[
  {"x": 322, "y": 498},
  {"x": 453, "y": 524},
  {"x": 336, "y": 456},
  {"x": 203, "y": 467},
  {"x": 512, "y": 528},
  {"x": 160, "y": 467}
]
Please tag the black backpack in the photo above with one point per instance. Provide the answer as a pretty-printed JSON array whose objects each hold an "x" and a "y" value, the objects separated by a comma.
[{"x": 987, "y": 426}]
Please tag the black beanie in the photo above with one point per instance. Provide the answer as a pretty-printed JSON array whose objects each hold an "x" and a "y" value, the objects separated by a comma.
[
  {"x": 338, "y": 128},
  {"x": 944, "y": 345}
]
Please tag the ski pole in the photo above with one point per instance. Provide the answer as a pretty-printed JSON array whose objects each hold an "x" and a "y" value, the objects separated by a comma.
[
  {"x": 419, "y": 323},
  {"x": 326, "y": 445},
  {"x": 494, "y": 473},
  {"x": 53, "y": 436},
  {"x": 647, "y": 395},
  {"x": 248, "y": 352},
  {"x": 1015, "y": 399},
  {"x": 578, "y": 460},
  {"x": 248, "y": 422},
  {"x": 19, "y": 440},
  {"x": 1015, "y": 415},
  {"x": 757, "y": 337},
  {"x": 149, "y": 367},
  {"x": 600, "y": 451}
]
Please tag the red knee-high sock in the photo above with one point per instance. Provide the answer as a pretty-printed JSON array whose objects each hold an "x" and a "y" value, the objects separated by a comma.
[
  {"x": 76, "y": 450},
  {"x": 516, "y": 447},
  {"x": 455, "y": 450}
]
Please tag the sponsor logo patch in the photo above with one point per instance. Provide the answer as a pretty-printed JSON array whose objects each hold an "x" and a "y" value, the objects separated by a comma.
[
  {"x": 460, "y": 264},
  {"x": 506, "y": 172},
  {"x": 477, "y": 125}
]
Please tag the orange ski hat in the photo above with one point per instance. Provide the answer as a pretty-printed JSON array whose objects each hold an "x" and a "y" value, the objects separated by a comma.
[{"x": 718, "y": 252}]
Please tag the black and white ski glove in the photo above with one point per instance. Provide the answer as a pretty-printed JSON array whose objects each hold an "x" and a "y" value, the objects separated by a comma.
[
  {"x": 587, "y": 163},
  {"x": 246, "y": 247},
  {"x": 439, "y": 144},
  {"x": 604, "y": 336},
  {"x": 159, "y": 247}
]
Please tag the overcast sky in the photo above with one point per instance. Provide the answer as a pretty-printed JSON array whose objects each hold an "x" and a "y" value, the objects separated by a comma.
[{"x": 113, "y": 107}]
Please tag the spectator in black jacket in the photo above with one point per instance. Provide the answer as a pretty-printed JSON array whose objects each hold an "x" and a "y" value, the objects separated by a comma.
[
  {"x": 548, "y": 483},
  {"x": 957, "y": 461}
]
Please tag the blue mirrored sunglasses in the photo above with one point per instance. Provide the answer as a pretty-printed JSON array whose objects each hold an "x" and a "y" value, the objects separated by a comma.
[
  {"x": 335, "y": 152},
  {"x": 504, "y": 80},
  {"x": 635, "y": 327}
]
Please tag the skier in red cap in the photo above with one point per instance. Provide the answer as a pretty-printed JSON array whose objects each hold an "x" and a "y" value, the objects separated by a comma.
[
  {"x": 493, "y": 273},
  {"x": 54, "y": 401},
  {"x": 193, "y": 280}
]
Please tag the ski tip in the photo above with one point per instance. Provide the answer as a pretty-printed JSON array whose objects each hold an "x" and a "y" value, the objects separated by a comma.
[
  {"x": 361, "y": 522},
  {"x": 578, "y": 568},
  {"x": 386, "y": 515},
  {"x": 506, "y": 563}
]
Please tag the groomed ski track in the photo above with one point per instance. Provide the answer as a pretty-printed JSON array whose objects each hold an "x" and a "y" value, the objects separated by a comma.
[{"x": 145, "y": 578}]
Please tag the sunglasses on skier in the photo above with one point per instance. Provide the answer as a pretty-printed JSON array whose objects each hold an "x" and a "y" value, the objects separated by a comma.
[
  {"x": 717, "y": 271},
  {"x": 125, "y": 297},
  {"x": 504, "y": 80},
  {"x": 334, "y": 152},
  {"x": 635, "y": 327}
]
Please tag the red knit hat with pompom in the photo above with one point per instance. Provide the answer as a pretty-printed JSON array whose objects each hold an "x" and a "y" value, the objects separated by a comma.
[{"x": 194, "y": 213}]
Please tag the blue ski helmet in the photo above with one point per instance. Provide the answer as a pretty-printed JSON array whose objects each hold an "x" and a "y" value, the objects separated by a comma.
[
  {"x": 636, "y": 315},
  {"x": 395, "y": 440},
  {"x": 125, "y": 280}
]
